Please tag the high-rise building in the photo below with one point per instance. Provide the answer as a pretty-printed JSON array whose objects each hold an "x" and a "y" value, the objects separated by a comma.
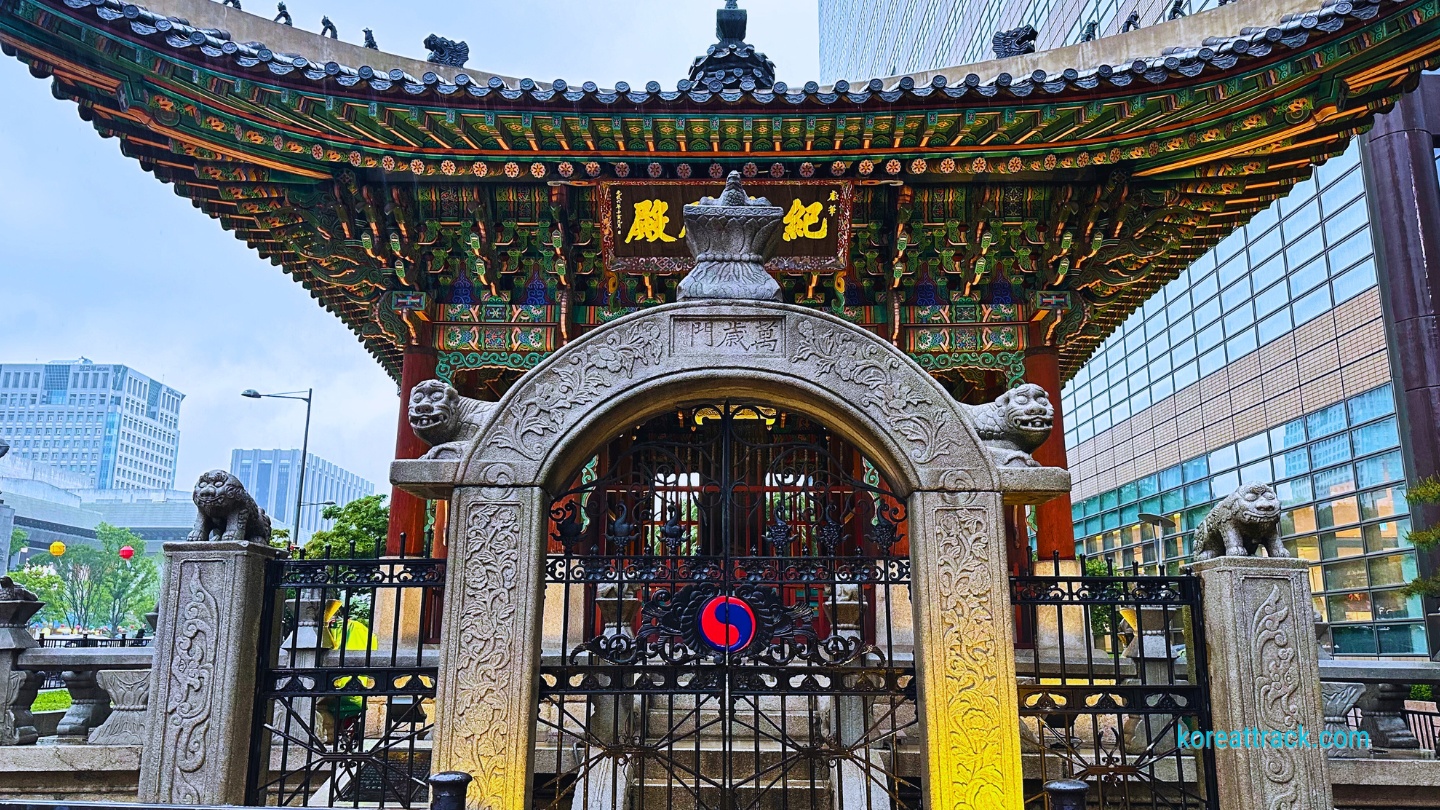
[
  {"x": 1282, "y": 357},
  {"x": 862, "y": 39},
  {"x": 109, "y": 423},
  {"x": 273, "y": 478}
]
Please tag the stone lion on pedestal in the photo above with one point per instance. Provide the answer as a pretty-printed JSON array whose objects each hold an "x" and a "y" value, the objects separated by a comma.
[
  {"x": 1246, "y": 521},
  {"x": 227, "y": 512}
]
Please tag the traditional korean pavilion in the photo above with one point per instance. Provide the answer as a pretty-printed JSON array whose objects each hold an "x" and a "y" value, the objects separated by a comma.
[{"x": 994, "y": 221}]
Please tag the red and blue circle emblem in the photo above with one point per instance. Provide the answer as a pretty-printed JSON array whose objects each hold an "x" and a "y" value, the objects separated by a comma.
[{"x": 727, "y": 623}]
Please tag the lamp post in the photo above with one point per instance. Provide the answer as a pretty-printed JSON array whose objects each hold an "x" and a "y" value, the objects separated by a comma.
[
  {"x": 1165, "y": 525},
  {"x": 251, "y": 393}
]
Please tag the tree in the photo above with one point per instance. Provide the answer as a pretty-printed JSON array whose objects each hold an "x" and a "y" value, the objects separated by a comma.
[
  {"x": 130, "y": 586},
  {"x": 88, "y": 587},
  {"x": 359, "y": 530},
  {"x": 1425, "y": 492},
  {"x": 46, "y": 585},
  {"x": 19, "y": 539}
]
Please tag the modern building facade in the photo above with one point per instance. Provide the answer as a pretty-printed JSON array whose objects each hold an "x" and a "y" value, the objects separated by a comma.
[
  {"x": 114, "y": 426},
  {"x": 860, "y": 39},
  {"x": 273, "y": 478},
  {"x": 1269, "y": 360}
]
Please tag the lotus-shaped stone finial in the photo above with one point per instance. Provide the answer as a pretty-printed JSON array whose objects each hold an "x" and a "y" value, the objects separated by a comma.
[{"x": 731, "y": 238}]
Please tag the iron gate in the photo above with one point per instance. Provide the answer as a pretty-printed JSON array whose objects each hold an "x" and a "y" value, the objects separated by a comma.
[
  {"x": 727, "y": 623},
  {"x": 346, "y": 681},
  {"x": 1115, "y": 674}
]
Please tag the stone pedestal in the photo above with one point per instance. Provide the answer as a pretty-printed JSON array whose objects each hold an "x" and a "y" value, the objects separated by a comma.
[
  {"x": 1264, "y": 675},
  {"x": 89, "y": 707},
  {"x": 202, "y": 689},
  {"x": 1339, "y": 698},
  {"x": 1382, "y": 716}
]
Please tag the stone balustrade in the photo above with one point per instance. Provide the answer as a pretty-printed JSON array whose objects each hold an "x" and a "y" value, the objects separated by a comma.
[{"x": 109, "y": 694}]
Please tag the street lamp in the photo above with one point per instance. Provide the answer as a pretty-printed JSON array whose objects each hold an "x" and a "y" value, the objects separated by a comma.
[
  {"x": 1165, "y": 525},
  {"x": 307, "y": 396}
]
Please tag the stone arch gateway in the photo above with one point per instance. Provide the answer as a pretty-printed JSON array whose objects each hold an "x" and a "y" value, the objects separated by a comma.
[{"x": 858, "y": 386}]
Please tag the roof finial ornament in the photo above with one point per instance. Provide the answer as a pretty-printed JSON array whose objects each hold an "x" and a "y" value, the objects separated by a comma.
[
  {"x": 731, "y": 63},
  {"x": 731, "y": 238}
]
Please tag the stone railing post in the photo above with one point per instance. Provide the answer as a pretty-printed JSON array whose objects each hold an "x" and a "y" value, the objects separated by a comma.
[
  {"x": 129, "y": 691},
  {"x": 203, "y": 685},
  {"x": 1382, "y": 716},
  {"x": 17, "y": 687},
  {"x": 1265, "y": 677},
  {"x": 89, "y": 707}
]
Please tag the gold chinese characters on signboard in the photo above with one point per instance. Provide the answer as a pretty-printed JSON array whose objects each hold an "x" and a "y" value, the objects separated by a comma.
[{"x": 645, "y": 223}]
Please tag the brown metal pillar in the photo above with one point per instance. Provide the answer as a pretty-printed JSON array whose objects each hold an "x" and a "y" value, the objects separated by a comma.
[
  {"x": 1054, "y": 522},
  {"x": 407, "y": 512},
  {"x": 1404, "y": 198}
]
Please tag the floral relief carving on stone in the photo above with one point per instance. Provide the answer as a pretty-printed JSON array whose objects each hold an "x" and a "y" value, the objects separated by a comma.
[
  {"x": 487, "y": 623},
  {"x": 831, "y": 351},
  {"x": 574, "y": 383},
  {"x": 963, "y": 593},
  {"x": 1277, "y": 688},
  {"x": 192, "y": 684}
]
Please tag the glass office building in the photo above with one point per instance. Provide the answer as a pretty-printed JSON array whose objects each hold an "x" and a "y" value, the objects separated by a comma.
[
  {"x": 1266, "y": 361},
  {"x": 273, "y": 478}
]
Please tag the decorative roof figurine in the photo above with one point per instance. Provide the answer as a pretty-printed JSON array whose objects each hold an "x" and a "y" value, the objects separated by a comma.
[
  {"x": 370, "y": 40},
  {"x": 1014, "y": 42},
  {"x": 235, "y": 4},
  {"x": 731, "y": 238},
  {"x": 1132, "y": 23},
  {"x": 327, "y": 27},
  {"x": 446, "y": 52},
  {"x": 732, "y": 63},
  {"x": 1177, "y": 10},
  {"x": 284, "y": 15},
  {"x": 1091, "y": 28}
]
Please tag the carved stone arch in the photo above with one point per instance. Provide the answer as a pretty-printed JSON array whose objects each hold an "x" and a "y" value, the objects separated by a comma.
[{"x": 850, "y": 380}]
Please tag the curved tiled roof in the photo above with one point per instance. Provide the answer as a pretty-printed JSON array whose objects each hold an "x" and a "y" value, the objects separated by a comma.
[{"x": 1215, "y": 54}]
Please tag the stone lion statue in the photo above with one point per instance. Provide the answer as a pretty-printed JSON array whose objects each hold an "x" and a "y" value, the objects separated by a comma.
[
  {"x": 1247, "y": 520},
  {"x": 227, "y": 512},
  {"x": 1015, "y": 424},
  {"x": 446, "y": 421}
]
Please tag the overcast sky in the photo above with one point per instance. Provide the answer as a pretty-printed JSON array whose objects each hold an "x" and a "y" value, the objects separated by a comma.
[{"x": 98, "y": 259}]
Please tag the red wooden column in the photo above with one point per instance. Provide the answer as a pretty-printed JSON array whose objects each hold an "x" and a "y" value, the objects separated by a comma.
[
  {"x": 407, "y": 512},
  {"x": 1054, "y": 521}
]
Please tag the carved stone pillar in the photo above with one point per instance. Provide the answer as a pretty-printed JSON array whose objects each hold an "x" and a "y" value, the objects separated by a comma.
[
  {"x": 964, "y": 631},
  {"x": 1339, "y": 698},
  {"x": 490, "y": 646},
  {"x": 129, "y": 691},
  {"x": 202, "y": 688},
  {"x": 1264, "y": 675}
]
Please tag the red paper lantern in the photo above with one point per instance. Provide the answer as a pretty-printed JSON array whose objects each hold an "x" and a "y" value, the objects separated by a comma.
[{"x": 126, "y": 552}]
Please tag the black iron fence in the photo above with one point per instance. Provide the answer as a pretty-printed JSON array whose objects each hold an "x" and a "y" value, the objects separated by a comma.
[
  {"x": 347, "y": 682},
  {"x": 1112, "y": 676}
]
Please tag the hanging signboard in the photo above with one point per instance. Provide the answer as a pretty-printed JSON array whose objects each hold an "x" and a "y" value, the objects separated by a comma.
[{"x": 644, "y": 223}]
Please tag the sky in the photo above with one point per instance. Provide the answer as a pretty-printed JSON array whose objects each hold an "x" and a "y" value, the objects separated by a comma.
[{"x": 98, "y": 259}]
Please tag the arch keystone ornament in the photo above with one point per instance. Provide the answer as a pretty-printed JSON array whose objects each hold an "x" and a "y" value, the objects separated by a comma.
[{"x": 861, "y": 388}]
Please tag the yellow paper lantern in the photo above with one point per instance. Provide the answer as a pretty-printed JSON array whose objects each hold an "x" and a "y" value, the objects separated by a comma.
[{"x": 57, "y": 548}]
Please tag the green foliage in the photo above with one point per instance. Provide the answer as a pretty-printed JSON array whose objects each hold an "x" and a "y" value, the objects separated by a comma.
[
  {"x": 1426, "y": 490},
  {"x": 360, "y": 525},
  {"x": 51, "y": 700},
  {"x": 18, "y": 541},
  {"x": 46, "y": 585},
  {"x": 130, "y": 586},
  {"x": 89, "y": 587},
  {"x": 1422, "y": 691},
  {"x": 1424, "y": 586},
  {"x": 1103, "y": 618}
]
